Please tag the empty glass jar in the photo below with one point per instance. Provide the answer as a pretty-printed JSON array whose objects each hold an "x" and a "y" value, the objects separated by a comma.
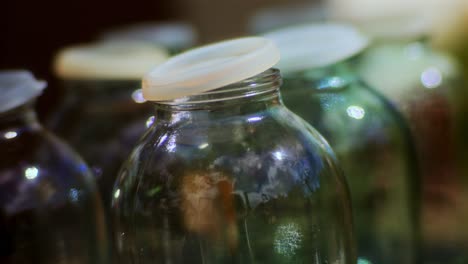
[
  {"x": 50, "y": 212},
  {"x": 104, "y": 112},
  {"x": 226, "y": 174},
  {"x": 369, "y": 136},
  {"x": 420, "y": 81}
]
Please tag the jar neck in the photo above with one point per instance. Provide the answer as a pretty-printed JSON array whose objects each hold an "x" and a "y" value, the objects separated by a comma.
[
  {"x": 19, "y": 119},
  {"x": 323, "y": 79},
  {"x": 251, "y": 95},
  {"x": 103, "y": 90}
]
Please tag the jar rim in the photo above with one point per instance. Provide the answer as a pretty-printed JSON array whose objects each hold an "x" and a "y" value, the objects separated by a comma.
[{"x": 266, "y": 82}]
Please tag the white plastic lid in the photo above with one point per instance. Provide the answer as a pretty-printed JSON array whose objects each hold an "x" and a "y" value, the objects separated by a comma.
[
  {"x": 389, "y": 19},
  {"x": 316, "y": 45},
  {"x": 18, "y": 87},
  {"x": 209, "y": 67},
  {"x": 176, "y": 35},
  {"x": 109, "y": 60},
  {"x": 276, "y": 17}
]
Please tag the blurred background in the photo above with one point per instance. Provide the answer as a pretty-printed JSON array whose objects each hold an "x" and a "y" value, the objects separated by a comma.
[{"x": 33, "y": 31}]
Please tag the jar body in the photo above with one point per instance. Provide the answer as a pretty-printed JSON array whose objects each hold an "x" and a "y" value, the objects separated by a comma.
[
  {"x": 103, "y": 120},
  {"x": 425, "y": 91},
  {"x": 242, "y": 183},
  {"x": 373, "y": 147},
  {"x": 50, "y": 211}
]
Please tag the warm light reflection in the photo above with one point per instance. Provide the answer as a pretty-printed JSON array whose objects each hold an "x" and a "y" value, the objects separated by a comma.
[
  {"x": 288, "y": 239},
  {"x": 31, "y": 173},
  {"x": 10, "y": 134},
  {"x": 137, "y": 96},
  {"x": 150, "y": 121},
  {"x": 431, "y": 78},
  {"x": 356, "y": 112},
  {"x": 203, "y": 146},
  {"x": 117, "y": 193}
]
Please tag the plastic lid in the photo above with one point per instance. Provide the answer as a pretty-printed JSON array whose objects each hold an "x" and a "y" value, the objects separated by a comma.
[
  {"x": 209, "y": 67},
  {"x": 276, "y": 17},
  {"x": 316, "y": 45},
  {"x": 176, "y": 35},
  {"x": 396, "y": 19},
  {"x": 108, "y": 60},
  {"x": 18, "y": 87}
]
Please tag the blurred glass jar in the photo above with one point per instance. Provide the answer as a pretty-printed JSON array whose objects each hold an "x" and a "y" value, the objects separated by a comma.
[
  {"x": 227, "y": 174},
  {"x": 280, "y": 16},
  {"x": 50, "y": 212},
  {"x": 369, "y": 136},
  {"x": 175, "y": 36},
  {"x": 104, "y": 113},
  {"x": 422, "y": 83}
]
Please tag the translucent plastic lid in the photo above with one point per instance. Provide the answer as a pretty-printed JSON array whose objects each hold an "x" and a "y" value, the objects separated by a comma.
[
  {"x": 316, "y": 45},
  {"x": 400, "y": 19},
  {"x": 170, "y": 35},
  {"x": 109, "y": 60},
  {"x": 18, "y": 87},
  {"x": 209, "y": 67}
]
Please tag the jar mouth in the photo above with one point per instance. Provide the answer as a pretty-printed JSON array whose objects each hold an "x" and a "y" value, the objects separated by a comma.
[{"x": 266, "y": 82}]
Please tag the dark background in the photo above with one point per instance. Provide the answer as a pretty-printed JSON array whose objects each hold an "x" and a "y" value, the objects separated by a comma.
[{"x": 33, "y": 31}]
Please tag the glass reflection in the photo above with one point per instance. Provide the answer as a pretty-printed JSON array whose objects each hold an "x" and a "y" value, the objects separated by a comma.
[
  {"x": 10, "y": 135},
  {"x": 356, "y": 112},
  {"x": 137, "y": 96},
  {"x": 431, "y": 78},
  {"x": 31, "y": 173}
]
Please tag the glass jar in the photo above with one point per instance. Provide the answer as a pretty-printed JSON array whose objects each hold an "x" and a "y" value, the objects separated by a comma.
[
  {"x": 369, "y": 136},
  {"x": 230, "y": 175},
  {"x": 175, "y": 36},
  {"x": 104, "y": 113},
  {"x": 50, "y": 211},
  {"x": 422, "y": 83}
]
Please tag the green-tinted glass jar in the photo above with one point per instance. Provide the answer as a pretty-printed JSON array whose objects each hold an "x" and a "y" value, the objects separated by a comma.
[
  {"x": 368, "y": 134},
  {"x": 422, "y": 83},
  {"x": 227, "y": 174}
]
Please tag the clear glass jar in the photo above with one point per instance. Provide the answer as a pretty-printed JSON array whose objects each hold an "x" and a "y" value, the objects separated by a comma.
[
  {"x": 232, "y": 176},
  {"x": 422, "y": 84},
  {"x": 50, "y": 211},
  {"x": 373, "y": 145},
  {"x": 103, "y": 120},
  {"x": 103, "y": 113}
]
